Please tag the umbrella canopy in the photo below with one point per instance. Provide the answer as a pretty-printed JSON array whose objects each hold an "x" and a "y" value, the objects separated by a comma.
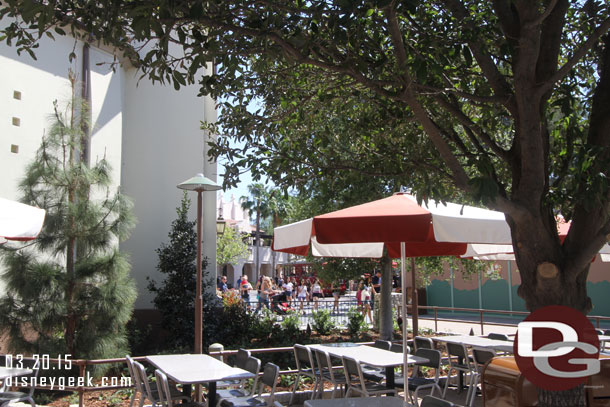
[
  {"x": 432, "y": 229},
  {"x": 401, "y": 225},
  {"x": 506, "y": 252},
  {"x": 19, "y": 221}
]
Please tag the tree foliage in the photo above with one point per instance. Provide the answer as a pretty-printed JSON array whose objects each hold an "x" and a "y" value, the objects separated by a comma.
[
  {"x": 70, "y": 291},
  {"x": 230, "y": 247}
]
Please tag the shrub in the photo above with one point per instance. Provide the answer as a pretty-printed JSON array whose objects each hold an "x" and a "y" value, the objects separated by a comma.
[
  {"x": 355, "y": 323},
  {"x": 290, "y": 325},
  {"x": 322, "y": 322},
  {"x": 263, "y": 326}
]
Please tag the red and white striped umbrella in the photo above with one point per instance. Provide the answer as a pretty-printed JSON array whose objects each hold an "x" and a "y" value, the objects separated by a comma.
[
  {"x": 405, "y": 228},
  {"x": 506, "y": 252},
  {"x": 19, "y": 221},
  {"x": 433, "y": 229}
]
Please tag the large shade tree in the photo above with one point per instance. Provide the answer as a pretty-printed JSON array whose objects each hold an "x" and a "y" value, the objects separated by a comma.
[{"x": 506, "y": 100}]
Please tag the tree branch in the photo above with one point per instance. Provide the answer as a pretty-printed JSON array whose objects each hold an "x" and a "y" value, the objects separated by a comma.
[
  {"x": 543, "y": 16},
  {"x": 468, "y": 123},
  {"x": 576, "y": 57},
  {"x": 486, "y": 63},
  {"x": 397, "y": 42}
]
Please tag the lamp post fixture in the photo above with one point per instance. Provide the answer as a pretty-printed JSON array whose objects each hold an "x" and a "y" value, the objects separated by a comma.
[
  {"x": 221, "y": 223},
  {"x": 199, "y": 183}
]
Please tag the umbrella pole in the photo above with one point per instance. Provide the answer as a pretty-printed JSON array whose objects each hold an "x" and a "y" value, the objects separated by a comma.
[
  {"x": 403, "y": 281},
  {"x": 414, "y": 300}
]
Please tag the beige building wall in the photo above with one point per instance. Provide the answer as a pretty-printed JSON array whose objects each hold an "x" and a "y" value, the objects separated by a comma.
[{"x": 150, "y": 134}]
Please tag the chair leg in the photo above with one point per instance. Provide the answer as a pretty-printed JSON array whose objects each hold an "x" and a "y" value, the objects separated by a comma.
[
  {"x": 133, "y": 398},
  {"x": 318, "y": 386},
  {"x": 469, "y": 393},
  {"x": 447, "y": 383},
  {"x": 414, "y": 398},
  {"x": 474, "y": 389},
  {"x": 294, "y": 389},
  {"x": 332, "y": 396}
]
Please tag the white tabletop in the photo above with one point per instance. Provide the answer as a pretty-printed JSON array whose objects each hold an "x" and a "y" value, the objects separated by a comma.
[
  {"x": 6, "y": 372},
  {"x": 192, "y": 369},
  {"x": 358, "y": 402},
  {"x": 370, "y": 355},
  {"x": 468, "y": 340},
  {"x": 604, "y": 338}
]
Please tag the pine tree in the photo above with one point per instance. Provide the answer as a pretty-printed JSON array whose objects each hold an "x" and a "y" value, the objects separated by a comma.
[{"x": 70, "y": 291}]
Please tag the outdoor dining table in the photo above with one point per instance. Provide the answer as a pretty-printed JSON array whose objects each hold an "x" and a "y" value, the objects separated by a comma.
[
  {"x": 478, "y": 341},
  {"x": 192, "y": 369},
  {"x": 357, "y": 402},
  {"x": 371, "y": 356}
]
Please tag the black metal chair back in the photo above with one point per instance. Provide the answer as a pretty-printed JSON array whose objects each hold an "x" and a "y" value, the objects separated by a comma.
[
  {"x": 241, "y": 358},
  {"x": 498, "y": 337},
  {"x": 423, "y": 342},
  {"x": 431, "y": 401},
  {"x": 385, "y": 345}
]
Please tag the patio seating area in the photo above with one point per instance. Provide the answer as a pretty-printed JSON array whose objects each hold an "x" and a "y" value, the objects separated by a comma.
[{"x": 451, "y": 368}]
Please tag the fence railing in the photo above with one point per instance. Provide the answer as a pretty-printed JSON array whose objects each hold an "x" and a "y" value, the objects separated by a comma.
[
  {"x": 479, "y": 316},
  {"x": 305, "y": 309}
]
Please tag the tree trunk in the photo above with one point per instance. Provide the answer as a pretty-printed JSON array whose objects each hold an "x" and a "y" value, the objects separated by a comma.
[
  {"x": 549, "y": 278},
  {"x": 386, "y": 325}
]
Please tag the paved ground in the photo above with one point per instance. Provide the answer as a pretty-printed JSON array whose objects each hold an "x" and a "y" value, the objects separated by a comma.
[{"x": 459, "y": 399}]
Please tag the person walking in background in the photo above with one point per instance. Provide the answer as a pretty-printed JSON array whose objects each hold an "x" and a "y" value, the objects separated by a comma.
[
  {"x": 366, "y": 301},
  {"x": 316, "y": 293},
  {"x": 359, "y": 296},
  {"x": 288, "y": 288},
  {"x": 244, "y": 290},
  {"x": 266, "y": 291},
  {"x": 222, "y": 284},
  {"x": 377, "y": 282},
  {"x": 302, "y": 295},
  {"x": 336, "y": 295},
  {"x": 294, "y": 290}
]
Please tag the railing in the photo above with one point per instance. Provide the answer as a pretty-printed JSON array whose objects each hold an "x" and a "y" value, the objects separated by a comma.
[
  {"x": 481, "y": 320},
  {"x": 338, "y": 313}
]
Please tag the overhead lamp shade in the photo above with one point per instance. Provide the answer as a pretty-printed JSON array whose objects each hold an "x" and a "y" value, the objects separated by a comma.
[
  {"x": 199, "y": 183},
  {"x": 220, "y": 225}
]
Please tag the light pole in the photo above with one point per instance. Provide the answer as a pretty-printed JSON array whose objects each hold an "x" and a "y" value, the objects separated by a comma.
[{"x": 199, "y": 183}]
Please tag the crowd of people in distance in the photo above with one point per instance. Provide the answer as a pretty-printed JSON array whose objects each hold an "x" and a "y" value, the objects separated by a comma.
[
  {"x": 294, "y": 293},
  {"x": 290, "y": 291}
]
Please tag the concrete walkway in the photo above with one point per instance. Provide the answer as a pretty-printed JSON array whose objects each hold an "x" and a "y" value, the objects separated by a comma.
[{"x": 463, "y": 328}]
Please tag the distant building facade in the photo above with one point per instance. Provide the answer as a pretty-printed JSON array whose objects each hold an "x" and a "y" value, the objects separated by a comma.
[{"x": 235, "y": 216}]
